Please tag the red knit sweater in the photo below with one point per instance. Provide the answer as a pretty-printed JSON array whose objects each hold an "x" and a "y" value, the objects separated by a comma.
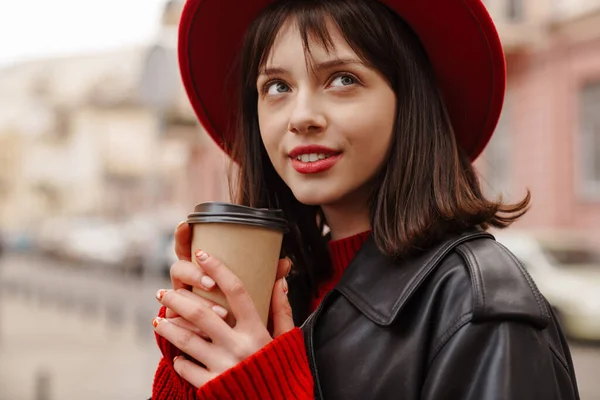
[{"x": 280, "y": 370}]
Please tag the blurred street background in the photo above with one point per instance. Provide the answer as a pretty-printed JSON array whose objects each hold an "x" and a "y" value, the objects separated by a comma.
[{"x": 101, "y": 157}]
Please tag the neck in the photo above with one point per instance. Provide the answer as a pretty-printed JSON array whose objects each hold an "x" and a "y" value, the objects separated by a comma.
[{"x": 347, "y": 220}]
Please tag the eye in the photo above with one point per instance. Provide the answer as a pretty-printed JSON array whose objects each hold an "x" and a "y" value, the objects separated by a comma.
[
  {"x": 343, "y": 80},
  {"x": 277, "y": 87}
]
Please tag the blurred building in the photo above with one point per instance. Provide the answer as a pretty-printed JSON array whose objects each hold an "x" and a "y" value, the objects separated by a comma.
[
  {"x": 548, "y": 139},
  {"x": 78, "y": 137},
  {"x": 102, "y": 135}
]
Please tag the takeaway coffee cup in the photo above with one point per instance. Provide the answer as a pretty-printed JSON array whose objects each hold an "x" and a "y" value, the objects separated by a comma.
[{"x": 247, "y": 240}]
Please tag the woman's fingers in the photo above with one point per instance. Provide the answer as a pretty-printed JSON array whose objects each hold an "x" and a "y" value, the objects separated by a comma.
[
  {"x": 171, "y": 314},
  {"x": 283, "y": 268},
  {"x": 182, "y": 323},
  {"x": 188, "y": 342},
  {"x": 281, "y": 311},
  {"x": 183, "y": 241},
  {"x": 239, "y": 300},
  {"x": 185, "y": 275},
  {"x": 203, "y": 317},
  {"x": 221, "y": 311},
  {"x": 191, "y": 372}
]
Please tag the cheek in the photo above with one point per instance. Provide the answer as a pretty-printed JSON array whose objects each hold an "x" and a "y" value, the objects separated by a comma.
[
  {"x": 272, "y": 134},
  {"x": 372, "y": 129},
  {"x": 369, "y": 155}
]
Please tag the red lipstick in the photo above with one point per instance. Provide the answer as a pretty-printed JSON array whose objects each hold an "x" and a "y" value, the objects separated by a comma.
[{"x": 316, "y": 166}]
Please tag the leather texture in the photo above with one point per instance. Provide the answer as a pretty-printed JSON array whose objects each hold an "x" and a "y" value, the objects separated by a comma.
[{"x": 463, "y": 320}]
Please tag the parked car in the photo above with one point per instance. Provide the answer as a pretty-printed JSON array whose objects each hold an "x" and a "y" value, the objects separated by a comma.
[
  {"x": 105, "y": 245},
  {"x": 160, "y": 256},
  {"x": 92, "y": 242},
  {"x": 566, "y": 269}
]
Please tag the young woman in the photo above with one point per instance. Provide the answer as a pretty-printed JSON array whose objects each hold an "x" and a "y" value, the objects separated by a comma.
[{"x": 359, "y": 118}]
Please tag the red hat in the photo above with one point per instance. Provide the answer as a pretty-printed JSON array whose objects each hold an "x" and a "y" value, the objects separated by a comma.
[{"x": 458, "y": 35}]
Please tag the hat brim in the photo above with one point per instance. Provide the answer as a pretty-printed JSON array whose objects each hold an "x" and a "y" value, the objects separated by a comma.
[{"x": 459, "y": 37}]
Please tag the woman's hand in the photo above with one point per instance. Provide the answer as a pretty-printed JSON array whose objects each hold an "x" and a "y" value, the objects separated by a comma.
[
  {"x": 185, "y": 275},
  {"x": 195, "y": 327}
]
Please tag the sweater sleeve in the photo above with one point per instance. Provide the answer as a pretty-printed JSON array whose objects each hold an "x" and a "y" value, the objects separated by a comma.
[
  {"x": 280, "y": 370},
  {"x": 168, "y": 385}
]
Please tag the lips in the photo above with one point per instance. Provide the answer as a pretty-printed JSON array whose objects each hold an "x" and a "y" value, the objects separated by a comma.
[
  {"x": 313, "y": 159},
  {"x": 312, "y": 149}
]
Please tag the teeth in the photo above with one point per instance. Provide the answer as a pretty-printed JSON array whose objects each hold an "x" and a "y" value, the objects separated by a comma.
[{"x": 311, "y": 157}]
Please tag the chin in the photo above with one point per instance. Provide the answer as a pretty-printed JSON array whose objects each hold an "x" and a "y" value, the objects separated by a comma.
[{"x": 315, "y": 197}]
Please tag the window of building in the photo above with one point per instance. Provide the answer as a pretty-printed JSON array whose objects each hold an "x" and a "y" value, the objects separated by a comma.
[
  {"x": 590, "y": 139},
  {"x": 515, "y": 10}
]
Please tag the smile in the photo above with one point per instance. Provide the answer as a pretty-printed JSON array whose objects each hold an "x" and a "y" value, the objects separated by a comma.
[
  {"x": 312, "y": 157},
  {"x": 315, "y": 162}
]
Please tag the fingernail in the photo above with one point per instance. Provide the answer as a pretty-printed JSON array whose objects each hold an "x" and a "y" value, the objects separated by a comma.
[
  {"x": 156, "y": 321},
  {"x": 221, "y": 312},
  {"x": 207, "y": 282},
  {"x": 289, "y": 269},
  {"x": 179, "y": 224},
  {"x": 201, "y": 256},
  {"x": 285, "y": 286},
  {"x": 177, "y": 358},
  {"x": 160, "y": 294}
]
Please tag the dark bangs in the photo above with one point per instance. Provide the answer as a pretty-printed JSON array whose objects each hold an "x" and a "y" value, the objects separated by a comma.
[{"x": 358, "y": 21}]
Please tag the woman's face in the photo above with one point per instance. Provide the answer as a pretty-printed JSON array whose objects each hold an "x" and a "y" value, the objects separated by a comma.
[{"x": 327, "y": 127}]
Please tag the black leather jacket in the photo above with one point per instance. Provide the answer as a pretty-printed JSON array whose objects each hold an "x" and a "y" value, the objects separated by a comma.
[{"x": 463, "y": 321}]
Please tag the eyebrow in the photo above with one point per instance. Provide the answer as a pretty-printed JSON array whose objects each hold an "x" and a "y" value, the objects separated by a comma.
[{"x": 336, "y": 62}]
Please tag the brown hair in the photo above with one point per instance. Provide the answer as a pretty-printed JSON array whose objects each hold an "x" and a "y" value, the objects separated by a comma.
[{"x": 428, "y": 188}]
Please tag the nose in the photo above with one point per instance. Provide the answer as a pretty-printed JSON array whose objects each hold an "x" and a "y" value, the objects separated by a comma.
[{"x": 307, "y": 115}]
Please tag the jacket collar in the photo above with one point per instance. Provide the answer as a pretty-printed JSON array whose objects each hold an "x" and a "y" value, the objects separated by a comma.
[{"x": 380, "y": 287}]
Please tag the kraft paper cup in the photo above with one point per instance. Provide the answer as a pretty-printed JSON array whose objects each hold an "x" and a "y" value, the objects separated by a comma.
[{"x": 248, "y": 241}]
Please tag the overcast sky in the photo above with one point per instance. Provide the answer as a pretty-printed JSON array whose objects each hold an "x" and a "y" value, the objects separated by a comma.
[{"x": 45, "y": 28}]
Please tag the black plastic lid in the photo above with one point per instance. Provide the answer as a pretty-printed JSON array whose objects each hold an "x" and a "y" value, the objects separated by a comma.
[{"x": 236, "y": 214}]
